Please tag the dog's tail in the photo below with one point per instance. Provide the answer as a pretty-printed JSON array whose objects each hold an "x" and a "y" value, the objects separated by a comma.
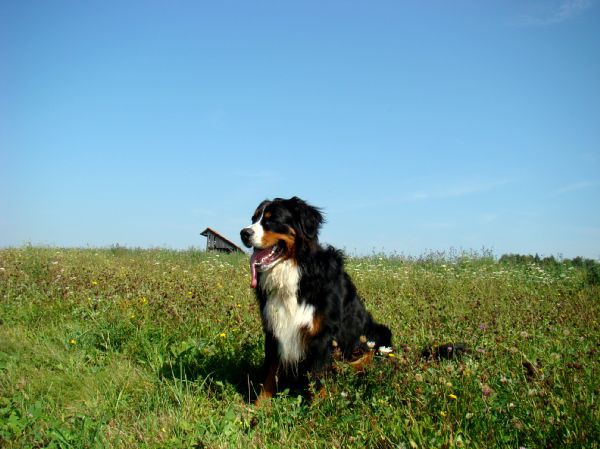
[{"x": 446, "y": 351}]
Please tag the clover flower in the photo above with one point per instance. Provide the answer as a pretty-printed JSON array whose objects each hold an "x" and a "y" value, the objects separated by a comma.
[{"x": 486, "y": 390}]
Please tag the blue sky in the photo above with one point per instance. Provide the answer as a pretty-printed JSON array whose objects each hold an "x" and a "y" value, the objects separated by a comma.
[{"x": 416, "y": 125}]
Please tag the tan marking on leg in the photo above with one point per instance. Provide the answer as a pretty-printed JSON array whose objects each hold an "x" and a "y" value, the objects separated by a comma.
[{"x": 269, "y": 386}]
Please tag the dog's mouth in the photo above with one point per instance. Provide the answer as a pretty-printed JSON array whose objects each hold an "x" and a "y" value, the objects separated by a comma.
[{"x": 264, "y": 258}]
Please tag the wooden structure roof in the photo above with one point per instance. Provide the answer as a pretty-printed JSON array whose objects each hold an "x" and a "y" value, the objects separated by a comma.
[{"x": 217, "y": 242}]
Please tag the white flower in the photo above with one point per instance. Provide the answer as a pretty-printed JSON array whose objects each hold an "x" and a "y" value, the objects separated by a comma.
[
  {"x": 385, "y": 349},
  {"x": 371, "y": 344}
]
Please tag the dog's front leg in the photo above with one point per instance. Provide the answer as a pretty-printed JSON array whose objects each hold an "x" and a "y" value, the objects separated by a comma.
[
  {"x": 269, "y": 386},
  {"x": 270, "y": 370}
]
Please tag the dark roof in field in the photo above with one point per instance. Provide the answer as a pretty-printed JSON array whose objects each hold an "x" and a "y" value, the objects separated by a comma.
[{"x": 212, "y": 231}]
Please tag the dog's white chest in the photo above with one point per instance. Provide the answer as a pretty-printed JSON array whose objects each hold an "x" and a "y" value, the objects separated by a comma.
[{"x": 285, "y": 318}]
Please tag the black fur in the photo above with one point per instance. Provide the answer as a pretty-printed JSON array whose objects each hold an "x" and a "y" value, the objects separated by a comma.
[
  {"x": 446, "y": 351},
  {"x": 324, "y": 284}
]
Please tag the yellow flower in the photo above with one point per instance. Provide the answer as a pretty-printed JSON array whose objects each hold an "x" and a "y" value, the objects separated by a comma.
[
  {"x": 442, "y": 413},
  {"x": 143, "y": 300},
  {"x": 222, "y": 335},
  {"x": 94, "y": 282},
  {"x": 132, "y": 316},
  {"x": 72, "y": 341},
  {"x": 391, "y": 355},
  {"x": 453, "y": 396}
]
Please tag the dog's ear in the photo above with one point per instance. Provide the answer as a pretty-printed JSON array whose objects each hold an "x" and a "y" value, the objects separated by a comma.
[
  {"x": 259, "y": 210},
  {"x": 308, "y": 218}
]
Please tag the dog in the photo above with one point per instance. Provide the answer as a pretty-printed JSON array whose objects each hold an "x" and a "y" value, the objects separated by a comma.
[{"x": 310, "y": 309}]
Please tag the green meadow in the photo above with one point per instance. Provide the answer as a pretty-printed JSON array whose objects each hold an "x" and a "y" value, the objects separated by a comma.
[{"x": 125, "y": 348}]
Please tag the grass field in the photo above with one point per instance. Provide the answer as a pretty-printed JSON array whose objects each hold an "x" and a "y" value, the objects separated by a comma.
[{"x": 157, "y": 348}]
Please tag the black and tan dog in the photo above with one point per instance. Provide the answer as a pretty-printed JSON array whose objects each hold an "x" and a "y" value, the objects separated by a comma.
[{"x": 310, "y": 308}]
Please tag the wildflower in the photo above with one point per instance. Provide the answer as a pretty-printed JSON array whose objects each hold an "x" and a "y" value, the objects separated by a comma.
[
  {"x": 72, "y": 342},
  {"x": 453, "y": 396},
  {"x": 385, "y": 349},
  {"x": 143, "y": 300},
  {"x": 443, "y": 414},
  {"x": 94, "y": 282},
  {"x": 486, "y": 390},
  {"x": 370, "y": 344},
  {"x": 132, "y": 316},
  {"x": 222, "y": 334},
  {"x": 392, "y": 355}
]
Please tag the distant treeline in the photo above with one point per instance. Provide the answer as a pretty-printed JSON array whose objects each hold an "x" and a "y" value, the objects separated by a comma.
[{"x": 590, "y": 266}]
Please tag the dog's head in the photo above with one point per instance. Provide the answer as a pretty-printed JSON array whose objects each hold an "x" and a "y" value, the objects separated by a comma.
[{"x": 280, "y": 229}]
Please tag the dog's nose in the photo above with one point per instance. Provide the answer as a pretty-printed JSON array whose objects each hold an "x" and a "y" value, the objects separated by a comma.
[{"x": 245, "y": 234}]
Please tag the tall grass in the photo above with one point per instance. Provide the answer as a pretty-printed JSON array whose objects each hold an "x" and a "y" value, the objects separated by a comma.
[{"x": 156, "y": 348}]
